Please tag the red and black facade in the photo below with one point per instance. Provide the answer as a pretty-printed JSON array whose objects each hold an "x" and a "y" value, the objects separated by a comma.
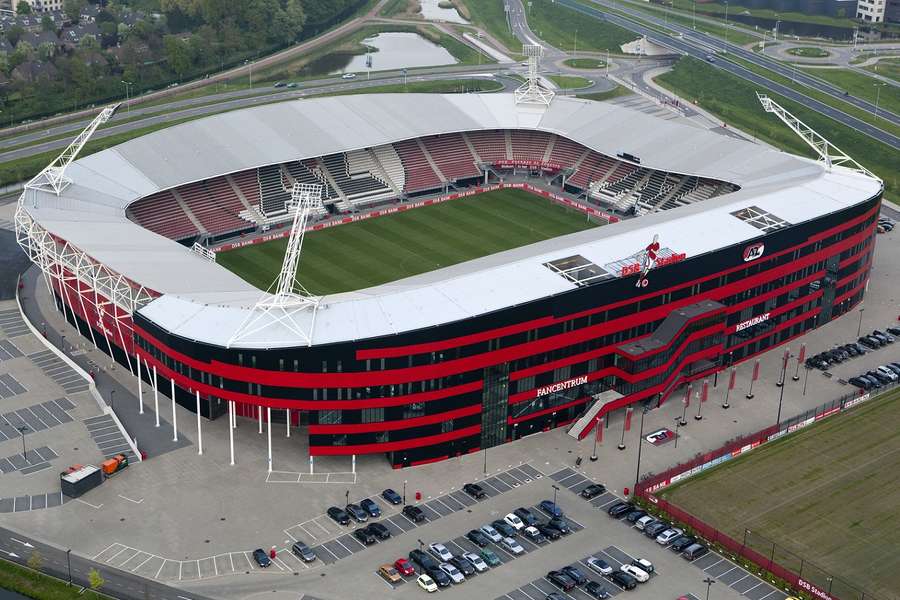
[{"x": 439, "y": 392}]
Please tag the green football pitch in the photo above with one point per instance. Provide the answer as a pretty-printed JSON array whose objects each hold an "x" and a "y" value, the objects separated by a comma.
[
  {"x": 367, "y": 253},
  {"x": 828, "y": 496}
]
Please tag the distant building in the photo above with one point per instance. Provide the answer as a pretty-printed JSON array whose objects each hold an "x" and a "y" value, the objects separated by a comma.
[
  {"x": 41, "y": 6},
  {"x": 871, "y": 11},
  {"x": 833, "y": 8}
]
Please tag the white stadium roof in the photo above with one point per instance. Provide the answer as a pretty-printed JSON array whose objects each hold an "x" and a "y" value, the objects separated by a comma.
[{"x": 203, "y": 301}]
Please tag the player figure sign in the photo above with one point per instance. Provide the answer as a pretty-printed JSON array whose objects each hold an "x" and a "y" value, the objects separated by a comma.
[{"x": 649, "y": 261}]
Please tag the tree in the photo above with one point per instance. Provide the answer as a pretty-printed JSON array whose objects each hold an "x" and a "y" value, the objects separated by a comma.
[
  {"x": 47, "y": 23},
  {"x": 89, "y": 42},
  {"x": 35, "y": 561},
  {"x": 72, "y": 8},
  {"x": 46, "y": 50},
  {"x": 23, "y": 8},
  {"x": 96, "y": 581},
  {"x": 14, "y": 34},
  {"x": 177, "y": 55}
]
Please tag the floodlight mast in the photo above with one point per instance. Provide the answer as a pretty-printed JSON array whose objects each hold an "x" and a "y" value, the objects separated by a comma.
[
  {"x": 289, "y": 298},
  {"x": 532, "y": 92},
  {"x": 828, "y": 153},
  {"x": 53, "y": 177}
]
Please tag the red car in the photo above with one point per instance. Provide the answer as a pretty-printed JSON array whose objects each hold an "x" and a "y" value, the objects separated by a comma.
[{"x": 404, "y": 567}]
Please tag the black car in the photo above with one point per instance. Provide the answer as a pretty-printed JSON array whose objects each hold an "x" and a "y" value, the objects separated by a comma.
[
  {"x": 371, "y": 507},
  {"x": 364, "y": 536},
  {"x": 423, "y": 560},
  {"x": 623, "y": 580},
  {"x": 261, "y": 558},
  {"x": 859, "y": 348},
  {"x": 575, "y": 575},
  {"x": 596, "y": 590},
  {"x": 879, "y": 376},
  {"x": 893, "y": 367},
  {"x": 440, "y": 578},
  {"x": 879, "y": 333},
  {"x": 681, "y": 542},
  {"x": 338, "y": 515},
  {"x": 592, "y": 491},
  {"x": 560, "y": 580},
  {"x": 414, "y": 513},
  {"x": 379, "y": 531},
  {"x": 893, "y": 330},
  {"x": 464, "y": 566},
  {"x": 871, "y": 344},
  {"x": 392, "y": 496},
  {"x": 873, "y": 382},
  {"x": 620, "y": 509},
  {"x": 554, "y": 596},
  {"x": 654, "y": 529},
  {"x": 526, "y": 515},
  {"x": 634, "y": 515},
  {"x": 850, "y": 349},
  {"x": 548, "y": 532},
  {"x": 860, "y": 383},
  {"x": 475, "y": 490},
  {"x": 358, "y": 514},
  {"x": 478, "y": 538},
  {"x": 560, "y": 524},
  {"x": 505, "y": 529}
]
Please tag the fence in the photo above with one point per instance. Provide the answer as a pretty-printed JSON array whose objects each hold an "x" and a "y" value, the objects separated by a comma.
[{"x": 783, "y": 563}]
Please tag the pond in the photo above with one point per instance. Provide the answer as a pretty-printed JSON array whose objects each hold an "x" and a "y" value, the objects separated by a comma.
[
  {"x": 431, "y": 10},
  {"x": 391, "y": 50},
  {"x": 812, "y": 30}
]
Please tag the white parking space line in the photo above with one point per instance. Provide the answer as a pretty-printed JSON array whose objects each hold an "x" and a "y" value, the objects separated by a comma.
[
  {"x": 160, "y": 569},
  {"x": 508, "y": 474},
  {"x": 338, "y": 542},
  {"x": 105, "y": 549},
  {"x": 307, "y": 531},
  {"x": 329, "y": 552},
  {"x": 231, "y": 558},
  {"x": 451, "y": 509},
  {"x": 247, "y": 558},
  {"x": 124, "y": 548},
  {"x": 149, "y": 558},
  {"x": 522, "y": 589},
  {"x": 490, "y": 486}
]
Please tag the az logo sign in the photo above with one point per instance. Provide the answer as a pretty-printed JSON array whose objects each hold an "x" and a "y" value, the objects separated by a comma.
[{"x": 753, "y": 252}]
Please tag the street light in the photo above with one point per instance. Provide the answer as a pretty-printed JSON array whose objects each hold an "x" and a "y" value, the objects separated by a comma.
[
  {"x": 347, "y": 497},
  {"x": 677, "y": 425},
  {"x": 69, "y": 564},
  {"x": 127, "y": 85},
  {"x": 555, "y": 489},
  {"x": 23, "y": 429},
  {"x": 404, "y": 491},
  {"x": 878, "y": 87},
  {"x": 640, "y": 447},
  {"x": 708, "y": 581},
  {"x": 859, "y": 328}
]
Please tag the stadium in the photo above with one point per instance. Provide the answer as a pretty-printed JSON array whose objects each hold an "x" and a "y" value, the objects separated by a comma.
[{"x": 678, "y": 252}]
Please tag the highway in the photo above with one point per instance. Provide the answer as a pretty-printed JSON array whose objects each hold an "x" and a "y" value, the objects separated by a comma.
[
  {"x": 699, "y": 46},
  {"x": 18, "y": 548}
]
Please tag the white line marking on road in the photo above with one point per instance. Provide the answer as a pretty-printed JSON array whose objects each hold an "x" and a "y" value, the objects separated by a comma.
[
  {"x": 308, "y": 532},
  {"x": 105, "y": 549},
  {"x": 124, "y": 548},
  {"x": 129, "y": 499},
  {"x": 231, "y": 558},
  {"x": 160, "y": 569},
  {"x": 149, "y": 558},
  {"x": 26, "y": 544},
  {"x": 180, "y": 565}
]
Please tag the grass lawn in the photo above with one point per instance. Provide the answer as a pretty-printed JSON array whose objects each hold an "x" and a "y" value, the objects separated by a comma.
[
  {"x": 557, "y": 24},
  {"x": 367, "y": 253},
  {"x": 570, "y": 82},
  {"x": 443, "y": 86},
  {"x": 863, "y": 86},
  {"x": 808, "y": 52},
  {"x": 828, "y": 494},
  {"x": 41, "y": 587},
  {"x": 734, "y": 101},
  {"x": 601, "y": 96},
  {"x": 585, "y": 63},
  {"x": 490, "y": 16},
  {"x": 887, "y": 67}
]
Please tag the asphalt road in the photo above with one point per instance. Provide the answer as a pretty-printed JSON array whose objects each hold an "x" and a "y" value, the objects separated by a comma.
[
  {"x": 17, "y": 548},
  {"x": 699, "y": 45}
]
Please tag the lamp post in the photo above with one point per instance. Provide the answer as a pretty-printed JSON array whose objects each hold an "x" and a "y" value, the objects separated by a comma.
[
  {"x": 69, "y": 564},
  {"x": 555, "y": 489},
  {"x": 677, "y": 425},
  {"x": 784, "y": 363},
  {"x": 859, "y": 327},
  {"x": 485, "y": 462},
  {"x": 404, "y": 492},
  {"x": 708, "y": 581},
  {"x": 637, "y": 472},
  {"x": 346, "y": 497},
  {"x": 127, "y": 85},
  {"x": 22, "y": 430}
]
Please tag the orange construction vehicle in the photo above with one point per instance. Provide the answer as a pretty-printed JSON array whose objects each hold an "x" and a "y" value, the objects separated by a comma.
[{"x": 113, "y": 465}]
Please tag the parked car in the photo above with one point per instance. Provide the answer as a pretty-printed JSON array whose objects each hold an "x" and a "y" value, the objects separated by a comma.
[
  {"x": 422, "y": 559},
  {"x": 440, "y": 552},
  {"x": 514, "y": 521},
  {"x": 668, "y": 535},
  {"x": 303, "y": 552},
  {"x": 894, "y": 331},
  {"x": 881, "y": 377},
  {"x": 680, "y": 543},
  {"x": 533, "y": 534},
  {"x": 489, "y": 557},
  {"x": 348, "y": 76},
  {"x": 887, "y": 337},
  {"x": 560, "y": 524},
  {"x": 551, "y": 533},
  {"x": 476, "y": 561},
  {"x": 634, "y": 515},
  {"x": 478, "y": 538},
  {"x": 491, "y": 533},
  {"x": 598, "y": 565},
  {"x": 549, "y": 507},
  {"x": 694, "y": 551},
  {"x": 526, "y": 515},
  {"x": 870, "y": 343},
  {"x": 620, "y": 509},
  {"x": 392, "y": 496},
  {"x": 654, "y": 529},
  {"x": 592, "y": 491},
  {"x": 575, "y": 574},
  {"x": 623, "y": 580},
  {"x": 358, "y": 514},
  {"x": 642, "y": 523},
  {"x": 860, "y": 383},
  {"x": 426, "y": 583},
  {"x": 874, "y": 382},
  {"x": 261, "y": 558},
  {"x": 893, "y": 367},
  {"x": 404, "y": 567},
  {"x": 504, "y": 528},
  {"x": 641, "y": 575},
  {"x": 389, "y": 573},
  {"x": 365, "y": 538},
  {"x": 379, "y": 531},
  {"x": 414, "y": 513},
  {"x": 464, "y": 566},
  {"x": 475, "y": 490},
  {"x": 511, "y": 545},
  {"x": 560, "y": 580},
  {"x": 279, "y": 84},
  {"x": 338, "y": 515},
  {"x": 643, "y": 564},
  {"x": 596, "y": 590},
  {"x": 452, "y": 572},
  {"x": 440, "y": 578},
  {"x": 887, "y": 372},
  {"x": 371, "y": 508}
]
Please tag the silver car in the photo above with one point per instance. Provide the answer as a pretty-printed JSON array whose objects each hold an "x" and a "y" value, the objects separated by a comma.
[
  {"x": 491, "y": 533},
  {"x": 512, "y": 545}
]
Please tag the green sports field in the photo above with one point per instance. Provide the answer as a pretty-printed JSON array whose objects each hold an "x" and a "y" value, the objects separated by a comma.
[
  {"x": 366, "y": 253},
  {"x": 829, "y": 494}
]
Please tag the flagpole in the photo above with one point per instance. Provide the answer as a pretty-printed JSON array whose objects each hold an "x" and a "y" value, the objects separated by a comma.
[
  {"x": 752, "y": 379},
  {"x": 800, "y": 358}
]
